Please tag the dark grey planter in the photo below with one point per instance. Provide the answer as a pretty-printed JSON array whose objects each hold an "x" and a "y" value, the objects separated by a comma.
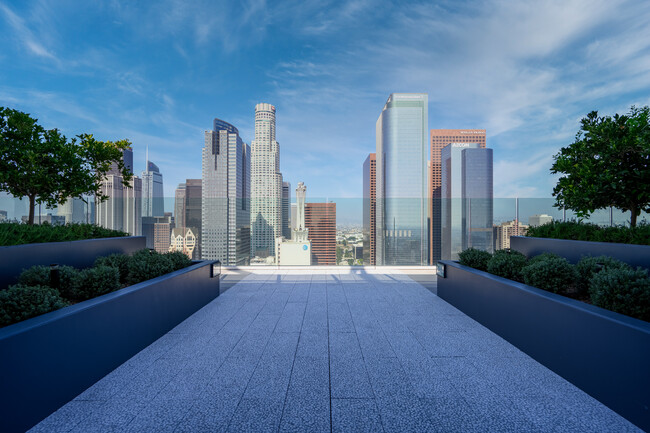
[
  {"x": 606, "y": 354},
  {"x": 573, "y": 251},
  {"x": 80, "y": 254},
  {"x": 48, "y": 360}
]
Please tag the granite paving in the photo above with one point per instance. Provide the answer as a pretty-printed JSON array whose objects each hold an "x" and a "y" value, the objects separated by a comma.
[{"x": 332, "y": 351}]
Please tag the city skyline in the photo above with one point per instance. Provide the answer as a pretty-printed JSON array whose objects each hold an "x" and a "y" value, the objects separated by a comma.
[{"x": 526, "y": 85}]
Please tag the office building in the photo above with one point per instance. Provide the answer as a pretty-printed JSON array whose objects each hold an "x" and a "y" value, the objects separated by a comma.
[
  {"x": 503, "y": 232},
  {"x": 266, "y": 184},
  {"x": 286, "y": 216},
  {"x": 74, "y": 210},
  {"x": 193, "y": 210},
  {"x": 466, "y": 199},
  {"x": 320, "y": 222},
  {"x": 152, "y": 191},
  {"x": 183, "y": 239},
  {"x": 440, "y": 138},
  {"x": 225, "y": 230},
  {"x": 369, "y": 209},
  {"x": 297, "y": 250},
  {"x": 3, "y": 215},
  {"x": 402, "y": 196},
  {"x": 538, "y": 220},
  {"x": 179, "y": 205},
  {"x": 292, "y": 219},
  {"x": 157, "y": 231}
]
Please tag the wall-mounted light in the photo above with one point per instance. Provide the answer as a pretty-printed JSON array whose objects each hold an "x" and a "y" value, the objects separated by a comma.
[
  {"x": 215, "y": 269},
  {"x": 441, "y": 270}
]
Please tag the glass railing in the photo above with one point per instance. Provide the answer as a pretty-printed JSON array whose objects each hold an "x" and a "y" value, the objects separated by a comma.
[{"x": 332, "y": 232}]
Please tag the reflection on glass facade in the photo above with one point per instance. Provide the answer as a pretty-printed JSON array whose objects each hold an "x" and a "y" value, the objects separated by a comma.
[
  {"x": 225, "y": 231},
  {"x": 401, "y": 180},
  {"x": 466, "y": 199}
]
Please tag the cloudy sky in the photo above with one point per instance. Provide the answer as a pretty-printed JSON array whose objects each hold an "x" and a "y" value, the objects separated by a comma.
[{"x": 159, "y": 72}]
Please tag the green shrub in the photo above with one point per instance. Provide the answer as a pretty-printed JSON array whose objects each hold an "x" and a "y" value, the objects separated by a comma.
[
  {"x": 589, "y": 266},
  {"x": 625, "y": 291},
  {"x": 12, "y": 233},
  {"x": 117, "y": 261},
  {"x": 591, "y": 232},
  {"x": 179, "y": 260},
  {"x": 147, "y": 264},
  {"x": 40, "y": 276},
  {"x": 507, "y": 264},
  {"x": 550, "y": 272},
  {"x": 20, "y": 303},
  {"x": 94, "y": 282},
  {"x": 477, "y": 259}
]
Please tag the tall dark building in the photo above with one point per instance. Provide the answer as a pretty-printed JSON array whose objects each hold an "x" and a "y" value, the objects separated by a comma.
[
  {"x": 369, "y": 209},
  {"x": 286, "y": 204},
  {"x": 320, "y": 220},
  {"x": 193, "y": 194}
]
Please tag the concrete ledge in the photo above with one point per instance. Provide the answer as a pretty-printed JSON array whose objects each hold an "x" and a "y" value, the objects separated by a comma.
[
  {"x": 80, "y": 254},
  {"x": 573, "y": 251},
  {"x": 606, "y": 354},
  {"x": 48, "y": 360}
]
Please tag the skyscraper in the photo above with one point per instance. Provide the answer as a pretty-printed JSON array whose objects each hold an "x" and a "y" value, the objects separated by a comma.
[
  {"x": 286, "y": 201},
  {"x": 466, "y": 199},
  {"x": 225, "y": 216},
  {"x": 74, "y": 210},
  {"x": 402, "y": 195},
  {"x": 266, "y": 184},
  {"x": 179, "y": 205},
  {"x": 369, "y": 208},
  {"x": 439, "y": 139},
  {"x": 152, "y": 191},
  {"x": 320, "y": 221},
  {"x": 297, "y": 250},
  {"x": 193, "y": 212}
]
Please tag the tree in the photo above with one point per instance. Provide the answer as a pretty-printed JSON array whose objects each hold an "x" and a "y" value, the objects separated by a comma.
[
  {"x": 607, "y": 165},
  {"x": 45, "y": 167}
]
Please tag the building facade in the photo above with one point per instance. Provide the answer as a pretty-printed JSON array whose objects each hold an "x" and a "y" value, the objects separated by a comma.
[
  {"x": 225, "y": 232},
  {"x": 402, "y": 196},
  {"x": 466, "y": 199},
  {"x": 538, "y": 220},
  {"x": 503, "y": 232},
  {"x": 152, "y": 191},
  {"x": 439, "y": 138},
  {"x": 179, "y": 205},
  {"x": 193, "y": 209},
  {"x": 297, "y": 250},
  {"x": 320, "y": 222},
  {"x": 369, "y": 209},
  {"x": 286, "y": 215},
  {"x": 183, "y": 239},
  {"x": 74, "y": 210},
  {"x": 266, "y": 184}
]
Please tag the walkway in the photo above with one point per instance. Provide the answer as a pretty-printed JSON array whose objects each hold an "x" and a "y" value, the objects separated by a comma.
[{"x": 295, "y": 351}]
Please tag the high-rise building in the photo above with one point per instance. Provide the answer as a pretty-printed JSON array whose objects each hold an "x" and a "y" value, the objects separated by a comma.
[
  {"x": 297, "y": 250},
  {"x": 320, "y": 221},
  {"x": 179, "y": 205},
  {"x": 286, "y": 216},
  {"x": 193, "y": 198},
  {"x": 294, "y": 215},
  {"x": 225, "y": 230},
  {"x": 402, "y": 196},
  {"x": 74, "y": 210},
  {"x": 466, "y": 199},
  {"x": 266, "y": 184},
  {"x": 503, "y": 232},
  {"x": 123, "y": 208},
  {"x": 538, "y": 220},
  {"x": 157, "y": 230},
  {"x": 439, "y": 139},
  {"x": 369, "y": 209},
  {"x": 152, "y": 191}
]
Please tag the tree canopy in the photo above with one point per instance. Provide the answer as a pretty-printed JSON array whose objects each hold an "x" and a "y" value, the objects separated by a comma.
[
  {"x": 608, "y": 164},
  {"x": 46, "y": 167}
]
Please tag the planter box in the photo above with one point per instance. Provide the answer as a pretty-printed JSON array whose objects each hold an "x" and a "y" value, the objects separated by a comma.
[
  {"x": 573, "y": 251},
  {"x": 606, "y": 354},
  {"x": 48, "y": 360},
  {"x": 80, "y": 254}
]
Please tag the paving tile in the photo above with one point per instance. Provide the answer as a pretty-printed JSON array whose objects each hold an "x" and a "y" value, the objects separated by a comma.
[
  {"x": 67, "y": 417},
  {"x": 355, "y": 415},
  {"x": 256, "y": 415},
  {"x": 349, "y": 378}
]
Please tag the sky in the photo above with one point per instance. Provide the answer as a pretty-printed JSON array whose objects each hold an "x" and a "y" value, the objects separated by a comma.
[{"x": 157, "y": 73}]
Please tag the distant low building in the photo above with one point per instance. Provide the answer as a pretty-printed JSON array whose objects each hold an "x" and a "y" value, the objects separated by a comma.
[
  {"x": 503, "y": 232},
  {"x": 3, "y": 215},
  {"x": 538, "y": 220},
  {"x": 54, "y": 220}
]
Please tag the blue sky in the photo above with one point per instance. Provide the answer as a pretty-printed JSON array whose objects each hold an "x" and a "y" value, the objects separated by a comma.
[{"x": 159, "y": 72}]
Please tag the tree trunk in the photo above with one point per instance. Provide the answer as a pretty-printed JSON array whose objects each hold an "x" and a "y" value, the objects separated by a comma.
[
  {"x": 32, "y": 205},
  {"x": 633, "y": 218}
]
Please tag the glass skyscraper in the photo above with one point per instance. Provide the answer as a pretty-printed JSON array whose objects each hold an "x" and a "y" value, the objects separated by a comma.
[
  {"x": 402, "y": 203},
  {"x": 152, "y": 191},
  {"x": 225, "y": 213},
  {"x": 466, "y": 199}
]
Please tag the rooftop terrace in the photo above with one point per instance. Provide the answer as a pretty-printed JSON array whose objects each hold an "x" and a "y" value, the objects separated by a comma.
[{"x": 331, "y": 350}]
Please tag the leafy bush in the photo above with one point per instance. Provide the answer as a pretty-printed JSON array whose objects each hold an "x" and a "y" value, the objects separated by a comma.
[
  {"x": 625, "y": 291},
  {"x": 117, "y": 261},
  {"x": 40, "y": 276},
  {"x": 589, "y": 266},
  {"x": 477, "y": 259},
  {"x": 95, "y": 281},
  {"x": 591, "y": 232},
  {"x": 147, "y": 264},
  {"x": 549, "y": 272},
  {"x": 12, "y": 233},
  {"x": 179, "y": 260},
  {"x": 20, "y": 303},
  {"x": 507, "y": 264}
]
